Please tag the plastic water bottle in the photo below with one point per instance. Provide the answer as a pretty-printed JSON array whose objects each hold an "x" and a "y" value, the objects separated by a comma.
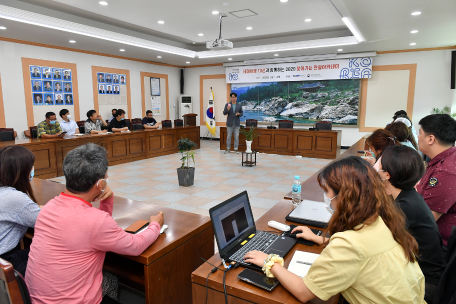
[{"x": 296, "y": 192}]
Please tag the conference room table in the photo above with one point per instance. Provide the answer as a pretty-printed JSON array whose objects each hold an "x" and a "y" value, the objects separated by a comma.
[
  {"x": 163, "y": 270},
  {"x": 122, "y": 147},
  {"x": 240, "y": 292}
]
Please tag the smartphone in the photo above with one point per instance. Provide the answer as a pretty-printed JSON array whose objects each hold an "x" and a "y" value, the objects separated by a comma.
[
  {"x": 63, "y": 134},
  {"x": 258, "y": 279}
]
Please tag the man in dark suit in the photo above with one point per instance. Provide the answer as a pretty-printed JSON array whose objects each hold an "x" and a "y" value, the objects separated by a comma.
[
  {"x": 47, "y": 74},
  {"x": 59, "y": 100},
  {"x": 100, "y": 78},
  {"x": 116, "y": 80},
  {"x": 101, "y": 89},
  {"x": 108, "y": 78},
  {"x": 67, "y": 87},
  {"x": 38, "y": 99},
  {"x": 68, "y": 100},
  {"x": 57, "y": 74},
  {"x": 108, "y": 90},
  {"x": 47, "y": 86},
  {"x": 37, "y": 86},
  {"x": 36, "y": 73},
  {"x": 57, "y": 87},
  {"x": 116, "y": 90},
  {"x": 67, "y": 75},
  {"x": 49, "y": 100}
]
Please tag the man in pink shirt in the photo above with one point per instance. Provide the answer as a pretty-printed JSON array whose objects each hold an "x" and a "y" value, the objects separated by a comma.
[{"x": 71, "y": 237}]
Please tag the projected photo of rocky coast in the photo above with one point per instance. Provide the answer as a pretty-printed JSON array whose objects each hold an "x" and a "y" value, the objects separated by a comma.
[{"x": 302, "y": 102}]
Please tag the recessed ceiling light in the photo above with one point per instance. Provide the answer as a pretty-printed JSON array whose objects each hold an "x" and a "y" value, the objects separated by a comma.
[
  {"x": 2, "y": 28},
  {"x": 122, "y": 50},
  {"x": 283, "y": 0},
  {"x": 187, "y": 62},
  {"x": 308, "y": 20},
  {"x": 103, "y": 3},
  {"x": 340, "y": 50},
  {"x": 161, "y": 22},
  {"x": 276, "y": 55},
  {"x": 72, "y": 41},
  {"x": 230, "y": 58},
  {"x": 200, "y": 34},
  {"x": 413, "y": 43},
  {"x": 414, "y": 32},
  {"x": 416, "y": 13},
  {"x": 248, "y": 28},
  {"x": 215, "y": 12},
  {"x": 159, "y": 56}
]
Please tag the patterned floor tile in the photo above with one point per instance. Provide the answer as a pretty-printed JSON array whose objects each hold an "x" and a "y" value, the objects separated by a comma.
[
  {"x": 130, "y": 189},
  {"x": 136, "y": 197},
  {"x": 210, "y": 194},
  {"x": 268, "y": 179},
  {"x": 171, "y": 197},
  {"x": 211, "y": 204},
  {"x": 204, "y": 184},
  {"x": 258, "y": 185},
  {"x": 189, "y": 190},
  {"x": 170, "y": 187},
  {"x": 181, "y": 207},
  {"x": 133, "y": 173},
  {"x": 194, "y": 201},
  {"x": 150, "y": 192},
  {"x": 263, "y": 203},
  {"x": 132, "y": 180},
  {"x": 236, "y": 182},
  {"x": 271, "y": 194}
]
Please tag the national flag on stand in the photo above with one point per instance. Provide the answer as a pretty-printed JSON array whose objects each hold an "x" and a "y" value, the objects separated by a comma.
[{"x": 210, "y": 116}]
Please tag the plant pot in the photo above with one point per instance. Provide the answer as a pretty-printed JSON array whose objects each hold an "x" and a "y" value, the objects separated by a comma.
[
  {"x": 249, "y": 146},
  {"x": 186, "y": 176}
]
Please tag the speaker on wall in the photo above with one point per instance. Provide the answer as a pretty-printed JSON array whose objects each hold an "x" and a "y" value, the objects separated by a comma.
[
  {"x": 453, "y": 70},
  {"x": 182, "y": 81}
]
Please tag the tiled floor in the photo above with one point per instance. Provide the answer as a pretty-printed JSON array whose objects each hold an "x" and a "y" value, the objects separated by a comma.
[{"x": 218, "y": 177}]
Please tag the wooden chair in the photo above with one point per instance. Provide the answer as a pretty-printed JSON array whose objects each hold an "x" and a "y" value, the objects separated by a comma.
[
  {"x": 285, "y": 124},
  {"x": 33, "y": 132},
  {"x": 7, "y": 134},
  {"x": 178, "y": 123},
  {"x": 136, "y": 121},
  {"x": 323, "y": 125},
  {"x": 251, "y": 123},
  {"x": 13, "y": 289},
  {"x": 167, "y": 124},
  {"x": 81, "y": 126}
]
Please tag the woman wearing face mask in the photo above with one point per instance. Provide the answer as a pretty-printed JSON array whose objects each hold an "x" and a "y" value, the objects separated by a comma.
[
  {"x": 18, "y": 208},
  {"x": 118, "y": 124},
  {"x": 401, "y": 168},
  {"x": 377, "y": 142},
  {"x": 370, "y": 257},
  {"x": 67, "y": 125}
]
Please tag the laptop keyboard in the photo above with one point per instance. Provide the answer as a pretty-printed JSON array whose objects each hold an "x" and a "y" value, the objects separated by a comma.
[{"x": 261, "y": 242}]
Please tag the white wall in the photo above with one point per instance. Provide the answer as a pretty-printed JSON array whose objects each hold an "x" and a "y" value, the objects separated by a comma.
[
  {"x": 432, "y": 88},
  {"x": 13, "y": 83}
]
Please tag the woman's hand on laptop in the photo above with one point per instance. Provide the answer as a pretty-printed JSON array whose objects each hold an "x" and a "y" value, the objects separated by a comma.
[
  {"x": 255, "y": 257},
  {"x": 307, "y": 234}
]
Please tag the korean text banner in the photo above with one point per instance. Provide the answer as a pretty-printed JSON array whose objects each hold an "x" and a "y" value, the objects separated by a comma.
[{"x": 352, "y": 68}]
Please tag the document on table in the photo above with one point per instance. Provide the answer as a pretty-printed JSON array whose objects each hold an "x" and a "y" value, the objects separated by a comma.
[
  {"x": 301, "y": 262},
  {"x": 78, "y": 134}
]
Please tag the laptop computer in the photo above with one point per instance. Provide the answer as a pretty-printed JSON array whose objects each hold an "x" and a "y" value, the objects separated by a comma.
[
  {"x": 310, "y": 213},
  {"x": 236, "y": 234}
]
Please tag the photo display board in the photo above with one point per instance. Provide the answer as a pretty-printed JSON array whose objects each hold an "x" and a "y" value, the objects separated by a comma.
[
  {"x": 51, "y": 86},
  {"x": 112, "y": 89}
]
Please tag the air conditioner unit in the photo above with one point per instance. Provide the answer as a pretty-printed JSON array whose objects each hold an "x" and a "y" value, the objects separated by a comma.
[{"x": 185, "y": 105}]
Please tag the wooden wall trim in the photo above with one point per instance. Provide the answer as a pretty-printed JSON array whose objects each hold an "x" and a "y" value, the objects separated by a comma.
[
  {"x": 2, "y": 109},
  {"x": 50, "y": 46},
  {"x": 26, "y": 62},
  {"x": 418, "y": 50},
  {"x": 410, "y": 95},
  {"x": 143, "y": 102},
  {"x": 99, "y": 69},
  {"x": 202, "y": 111}
]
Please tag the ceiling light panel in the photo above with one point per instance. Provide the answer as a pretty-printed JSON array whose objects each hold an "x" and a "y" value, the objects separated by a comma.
[
  {"x": 243, "y": 13},
  {"x": 23, "y": 16}
]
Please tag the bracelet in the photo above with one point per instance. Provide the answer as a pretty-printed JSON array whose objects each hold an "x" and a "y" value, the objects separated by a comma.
[{"x": 269, "y": 262}]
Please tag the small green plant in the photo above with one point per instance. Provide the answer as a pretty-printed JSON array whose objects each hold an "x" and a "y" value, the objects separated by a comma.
[
  {"x": 249, "y": 133},
  {"x": 445, "y": 110},
  {"x": 185, "y": 146}
]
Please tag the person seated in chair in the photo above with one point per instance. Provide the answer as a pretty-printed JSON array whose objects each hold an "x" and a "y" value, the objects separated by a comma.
[
  {"x": 149, "y": 121},
  {"x": 118, "y": 124},
  {"x": 94, "y": 123}
]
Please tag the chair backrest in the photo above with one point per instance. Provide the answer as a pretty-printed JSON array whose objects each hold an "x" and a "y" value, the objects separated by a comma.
[
  {"x": 323, "y": 125},
  {"x": 34, "y": 131},
  {"x": 10, "y": 292},
  {"x": 285, "y": 124},
  {"x": 6, "y": 135},
  {"x": 137, "y": 126},
  {"x": 167, "y": 124},
  {"x": 136, "y": 121},
  {"x": 446, "y": 290},
  {"x": 81, "y": 126},
  {"x": 178, "y": 123},
  {"x": 127, "y": 120},
  {"x": 251, "y": 123}
]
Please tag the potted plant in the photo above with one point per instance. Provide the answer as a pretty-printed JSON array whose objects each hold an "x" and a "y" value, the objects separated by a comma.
[
  {"x": 185, "y": 173},
  {"x": 250, "y": 134}
]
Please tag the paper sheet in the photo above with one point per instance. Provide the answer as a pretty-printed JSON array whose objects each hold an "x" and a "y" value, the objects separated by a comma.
[{"x": 302, "y": 269}]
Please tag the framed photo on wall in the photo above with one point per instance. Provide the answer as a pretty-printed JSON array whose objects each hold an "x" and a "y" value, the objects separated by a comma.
[
  {"x": 38, "y": 99},
  {"x": 108, "y": 89},
  {"x": 48, "y": 99},
  {"x": 67, "y": 88},
  {"x": 58, "y": 98},
  {"x": 108, "y": 78},
  {"x": 115, "y": 78},
  {"x": 57, "y": 74},
  {"x": 67, "y": 75},
  {"x": 35, "y": 72},
  {"x": 100, "y": 77},
  {"x": 58, "y": 86},
  {"x": 47, "y": 86},
  {"x": 46, "y": 73},
  {"x": 116, "y": 89},
  {"x": 37, "y": 86},
  {"x": 101, "y": 89},
  {"x": 123, "y": 79},
  {"x": 68, "y": 99}
]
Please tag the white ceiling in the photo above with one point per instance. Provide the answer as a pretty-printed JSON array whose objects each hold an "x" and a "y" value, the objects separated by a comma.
[{"x": 385, "y": 24}]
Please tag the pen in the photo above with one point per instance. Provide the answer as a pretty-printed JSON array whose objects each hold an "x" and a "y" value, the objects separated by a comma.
[{"x": 302, "y": 262}]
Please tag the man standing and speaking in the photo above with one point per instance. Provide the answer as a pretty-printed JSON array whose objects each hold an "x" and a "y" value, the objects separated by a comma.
[{"x": 233, "y": 123}]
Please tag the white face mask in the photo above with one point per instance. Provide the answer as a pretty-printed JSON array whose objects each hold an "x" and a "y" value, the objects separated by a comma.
[
  {"x": 68, "y": 116},
  {"x": 328, "y": 203}
]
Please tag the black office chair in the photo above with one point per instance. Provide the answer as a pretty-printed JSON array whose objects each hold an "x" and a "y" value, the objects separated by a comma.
[
  {"x": 81, "y": 126},
  {"x": 178, "y": 123},
  {"x": 137, "y": 126},
  {"x": 167, "y": 124},
  {"x": 251, "y": 123},
  {"x": 33, "y": 132},
  {"x": 6, "y": 135},
  {"x": 128, "y": 123},
  {"x": 12, "y": 285},
  {"x": 324, "y": 125},
  {"x": 285, "y": 124}
]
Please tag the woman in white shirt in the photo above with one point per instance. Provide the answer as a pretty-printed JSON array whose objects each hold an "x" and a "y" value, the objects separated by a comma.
[{"x": 67, "y": 125}]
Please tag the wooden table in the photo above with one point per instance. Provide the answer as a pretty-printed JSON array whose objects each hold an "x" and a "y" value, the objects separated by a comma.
[
  {"x": 318, "y": 144},
  {"x": 122, "y": 147},
  {"x": 163, "y": 270}
]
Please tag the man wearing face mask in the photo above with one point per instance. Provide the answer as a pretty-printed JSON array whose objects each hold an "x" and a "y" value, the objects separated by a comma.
[
  {"x": 67, "y": 125},
  {"x": 149, "y": 121},
  {"x": 118, "y": 124},
  {"x": 72, "y": 236},
  {"x": 49, "y": 128}
]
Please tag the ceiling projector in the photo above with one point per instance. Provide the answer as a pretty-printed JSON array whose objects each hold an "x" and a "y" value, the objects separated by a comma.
[{"x": 219, "y": 43}]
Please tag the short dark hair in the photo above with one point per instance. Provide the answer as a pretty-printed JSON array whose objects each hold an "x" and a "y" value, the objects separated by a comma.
[
  {"x": 113, "y": 110},
  {"x": 63, "y": 112},
  {"x": 233, "y": 93},
  {"x": 90, "y": 113},
  {"x": 380, "y": 140},
  {"x": 442, "y": 126},
  {"x": 400, "y": 112},
  {"x": 84, "y": 166},
  {"x": 49, "y": 114},
  {"x": 119, "y": 112},
  {"x": 148, "y": 111},
  {"x": 404, "y": 165}
]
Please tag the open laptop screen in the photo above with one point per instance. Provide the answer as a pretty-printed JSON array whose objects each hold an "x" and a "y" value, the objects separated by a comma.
[{"x": 231, "y": 220}]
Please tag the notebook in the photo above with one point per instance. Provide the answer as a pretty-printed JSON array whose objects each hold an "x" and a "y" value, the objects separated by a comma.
[{"x": 301, "y": 269}]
